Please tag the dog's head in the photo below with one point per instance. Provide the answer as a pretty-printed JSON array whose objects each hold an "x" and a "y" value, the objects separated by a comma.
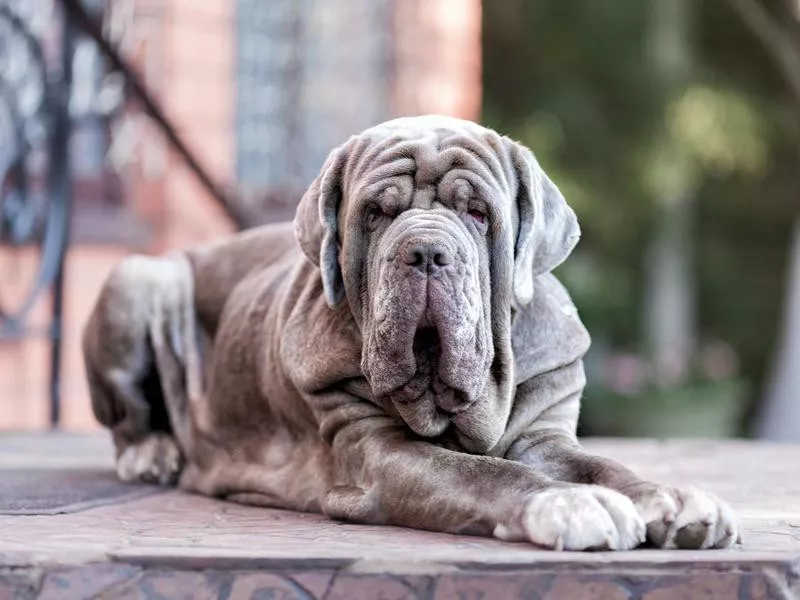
[{"x": 433, "y": 230}]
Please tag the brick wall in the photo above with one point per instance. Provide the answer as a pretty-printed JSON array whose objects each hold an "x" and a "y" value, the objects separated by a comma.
[{"x": 438, "y": 64}]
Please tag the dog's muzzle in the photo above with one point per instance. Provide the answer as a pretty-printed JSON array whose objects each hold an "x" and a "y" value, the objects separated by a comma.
[{"x": 426, "y": 310}]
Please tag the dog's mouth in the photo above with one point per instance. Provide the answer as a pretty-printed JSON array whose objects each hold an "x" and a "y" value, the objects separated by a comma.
[
  {"x": 426, "y": 382},
  {"x": 427, "y": 346}
]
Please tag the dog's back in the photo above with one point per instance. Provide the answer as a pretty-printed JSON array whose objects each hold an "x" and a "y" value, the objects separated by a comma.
[{"x": 220, "y": 266}]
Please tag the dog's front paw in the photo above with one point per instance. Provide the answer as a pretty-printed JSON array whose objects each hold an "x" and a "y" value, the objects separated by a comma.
[
  {"x": 583, "y": 517},
  {"x": 685, "y": 517},
  {"x": 154, "y": 459}
]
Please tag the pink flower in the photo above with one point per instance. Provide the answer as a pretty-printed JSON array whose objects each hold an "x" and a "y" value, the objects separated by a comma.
[
  {"x": 718, "y": 361},
  {"x": 625, "y": 374}
]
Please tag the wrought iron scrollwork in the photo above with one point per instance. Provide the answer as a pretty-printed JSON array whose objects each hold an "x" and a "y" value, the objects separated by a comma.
[
  {"x": 31, "y": 217},
  {"x": 35, "y": 196},
  {"x": 37, "y": 49}
]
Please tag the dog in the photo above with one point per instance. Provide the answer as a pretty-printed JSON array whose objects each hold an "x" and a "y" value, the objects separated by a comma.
[{"x": 400, "y": 354}]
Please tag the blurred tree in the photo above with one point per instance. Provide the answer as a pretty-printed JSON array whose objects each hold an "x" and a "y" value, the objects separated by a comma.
[
  {"x": 669, "y": 298},
  {"x": 580, "y": 83},
  {"x": 780, "y": 419}
]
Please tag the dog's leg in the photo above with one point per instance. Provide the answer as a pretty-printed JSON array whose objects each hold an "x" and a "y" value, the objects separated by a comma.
[
  {"x": 135, "y": 422},
  {"x": 107, "y": 408},
  {"x": 143, "y": 455},
  {"x": 154, "y": 459},
  {"x": 384, "y": 477},
  {"x": 134, "y": 368},
  {"x": 675, "y": 517},
  {"x": 115, "y": 353},
  {"x": 120, "y": 405}
]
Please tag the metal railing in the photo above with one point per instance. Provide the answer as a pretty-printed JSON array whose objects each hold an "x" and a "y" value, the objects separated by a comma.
[
  {"x": 35, "y": 197},
  {"x": 35, "y": 178}
]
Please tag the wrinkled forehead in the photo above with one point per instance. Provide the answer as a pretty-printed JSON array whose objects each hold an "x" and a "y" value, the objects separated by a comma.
[{"x": 428, "y": 153}]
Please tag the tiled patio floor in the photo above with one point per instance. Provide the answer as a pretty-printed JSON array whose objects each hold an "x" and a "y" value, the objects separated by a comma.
[{"x": 170, "y": 544}]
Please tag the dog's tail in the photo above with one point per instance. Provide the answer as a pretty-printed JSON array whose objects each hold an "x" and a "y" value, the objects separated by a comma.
[{"x": 178, "y": 350}]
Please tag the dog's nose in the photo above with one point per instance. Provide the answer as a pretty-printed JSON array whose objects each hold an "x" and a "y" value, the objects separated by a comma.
[{"x": 427, "y": 257}]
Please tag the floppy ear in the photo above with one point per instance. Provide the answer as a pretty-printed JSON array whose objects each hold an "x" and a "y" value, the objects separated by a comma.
[
  {"x": 316, "y": 225},
  {"x": 548, "y": 227}
]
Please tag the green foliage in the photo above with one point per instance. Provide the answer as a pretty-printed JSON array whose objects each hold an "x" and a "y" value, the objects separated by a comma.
[
  {"x": 572, "y": 81},
  {"x": 718, "y": 130},
  {"x": 715, "y": 410}
]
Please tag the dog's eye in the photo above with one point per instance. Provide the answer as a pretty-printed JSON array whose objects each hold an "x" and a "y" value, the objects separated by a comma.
[
  {"x": 477, "y": 215},
  {"x": 374, "y": 217}
]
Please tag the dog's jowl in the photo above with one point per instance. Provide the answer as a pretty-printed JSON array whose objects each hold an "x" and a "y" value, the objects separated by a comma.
[{"x": 400, "y": 354}]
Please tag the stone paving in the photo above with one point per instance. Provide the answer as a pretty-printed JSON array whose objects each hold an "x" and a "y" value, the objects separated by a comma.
[{"x": 173, "y": 545}]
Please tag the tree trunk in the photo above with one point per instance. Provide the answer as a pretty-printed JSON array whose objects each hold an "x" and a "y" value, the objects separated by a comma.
[
  {"x": 780, "y": 419},
  {"x": 780, "y": 415},
  {"x": 669, "y": 303}
]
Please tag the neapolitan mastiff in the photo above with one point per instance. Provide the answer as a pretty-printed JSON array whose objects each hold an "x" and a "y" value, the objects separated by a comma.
[{"x": 401, "y": 355}]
